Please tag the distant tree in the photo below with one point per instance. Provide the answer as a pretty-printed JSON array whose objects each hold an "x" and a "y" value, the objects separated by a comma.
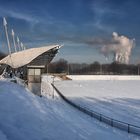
[
  {"x": 95, "y": 67},
  {"x": 60, "y": 66},
  {"x": 113, "y": 68}
]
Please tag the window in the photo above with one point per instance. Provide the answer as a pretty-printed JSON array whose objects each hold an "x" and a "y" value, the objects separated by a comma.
[
  {"x": 37, "y": 71},
  {"x": 30, "y": 71},
  {"x": 34, "y": 75}
]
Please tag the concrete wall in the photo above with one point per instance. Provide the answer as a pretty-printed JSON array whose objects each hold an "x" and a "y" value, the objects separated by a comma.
[{"x": 35, "y": 88}]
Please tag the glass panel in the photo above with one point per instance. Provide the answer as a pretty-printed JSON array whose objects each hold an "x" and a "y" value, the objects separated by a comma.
[
  {"x": 37, "y": 72},
  {"x": 30, "y": 71}
]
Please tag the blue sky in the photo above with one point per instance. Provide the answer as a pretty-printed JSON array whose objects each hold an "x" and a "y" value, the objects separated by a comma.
[{"x": 78, "y": 24}]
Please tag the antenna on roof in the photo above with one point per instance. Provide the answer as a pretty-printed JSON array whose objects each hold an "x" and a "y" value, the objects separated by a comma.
[
  {"x": 13, "y": 36},
  {"x": 6, "y": 33}
]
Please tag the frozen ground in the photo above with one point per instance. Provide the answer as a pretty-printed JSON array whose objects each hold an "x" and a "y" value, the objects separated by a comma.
[
  {"x": 24, "y": 116},
  {"x": 115, "y": 97}
]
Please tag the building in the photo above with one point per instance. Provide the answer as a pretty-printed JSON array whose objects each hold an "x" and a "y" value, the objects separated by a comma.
[{"x": 35, "y": 59}]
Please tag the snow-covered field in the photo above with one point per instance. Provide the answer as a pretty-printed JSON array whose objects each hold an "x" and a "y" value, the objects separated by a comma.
[
  {"x": 114, "y": 96},
  {"x": 24, "y": 116},
  {"x": 104, "y": 77}
]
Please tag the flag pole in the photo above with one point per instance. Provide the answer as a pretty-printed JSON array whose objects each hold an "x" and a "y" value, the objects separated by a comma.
[
  {"x": 13, "y": 36},
  {"x": 18, "y": 43},
  {"x": 7, "y": 37},
  {"x": 21, "y": 44}
]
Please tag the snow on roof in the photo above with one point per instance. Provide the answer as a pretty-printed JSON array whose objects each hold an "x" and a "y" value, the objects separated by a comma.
[
  {"x": 35, "y": 66},
  {"x": 19, "y": 59}
]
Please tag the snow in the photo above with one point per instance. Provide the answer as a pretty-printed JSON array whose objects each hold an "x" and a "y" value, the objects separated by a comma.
[
  {"x": 104, "y": 77},
  {"x": 26, "y": 116},
  {"x": 118, "y": 99}
]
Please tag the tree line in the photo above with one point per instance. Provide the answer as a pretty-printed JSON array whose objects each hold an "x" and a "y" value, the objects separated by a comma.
[
  {"x": 95, "y": 68},
  {"x": 62, "y": 66}
]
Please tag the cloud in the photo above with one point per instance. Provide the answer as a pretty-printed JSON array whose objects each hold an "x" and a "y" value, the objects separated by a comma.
[
  {"x": 22, "y": 16},
  {"x": 103, "y": 12},
  {"x": 4, "y": 12},
  {"x": 85, "y": 40}
]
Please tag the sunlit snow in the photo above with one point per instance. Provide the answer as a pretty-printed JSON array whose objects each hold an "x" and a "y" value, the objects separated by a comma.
[{"x": 24, "y": 116}]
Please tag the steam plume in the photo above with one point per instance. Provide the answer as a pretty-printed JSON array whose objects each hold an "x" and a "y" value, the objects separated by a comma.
[{"x": 121, "y": 48}]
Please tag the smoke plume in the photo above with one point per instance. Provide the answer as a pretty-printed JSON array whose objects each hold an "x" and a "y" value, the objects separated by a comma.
[{"x": 121, "y": 48}]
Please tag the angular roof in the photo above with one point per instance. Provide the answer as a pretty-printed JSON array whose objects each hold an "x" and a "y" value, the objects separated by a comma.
[{"x": 21, "y": 58}]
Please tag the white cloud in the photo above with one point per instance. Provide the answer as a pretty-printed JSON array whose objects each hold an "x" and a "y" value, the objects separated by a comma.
[{"x": 4, "y": 12}]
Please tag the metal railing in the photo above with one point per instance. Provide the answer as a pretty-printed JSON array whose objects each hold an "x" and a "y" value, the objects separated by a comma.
[{"x": 102, "y": 118}]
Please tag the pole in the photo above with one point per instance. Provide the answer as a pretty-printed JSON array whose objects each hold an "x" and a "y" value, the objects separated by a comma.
[
  {"x": 13, "y": 36},
  {"x": 24, "y": 47},
  {"x": 18, "y": 43},
  {"x": 7, "y": 37},
  {"x": 21, "y": 45}
]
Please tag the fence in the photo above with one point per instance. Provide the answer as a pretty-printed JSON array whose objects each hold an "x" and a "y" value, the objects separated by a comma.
[{"x": 110, "y": 121}]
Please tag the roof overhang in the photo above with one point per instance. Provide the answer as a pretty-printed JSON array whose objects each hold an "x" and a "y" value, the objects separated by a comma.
[{"x": 22, "y": 58}]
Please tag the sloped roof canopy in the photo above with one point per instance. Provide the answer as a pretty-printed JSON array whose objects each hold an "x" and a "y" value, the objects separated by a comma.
[{"x": 25, "y": 57}]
